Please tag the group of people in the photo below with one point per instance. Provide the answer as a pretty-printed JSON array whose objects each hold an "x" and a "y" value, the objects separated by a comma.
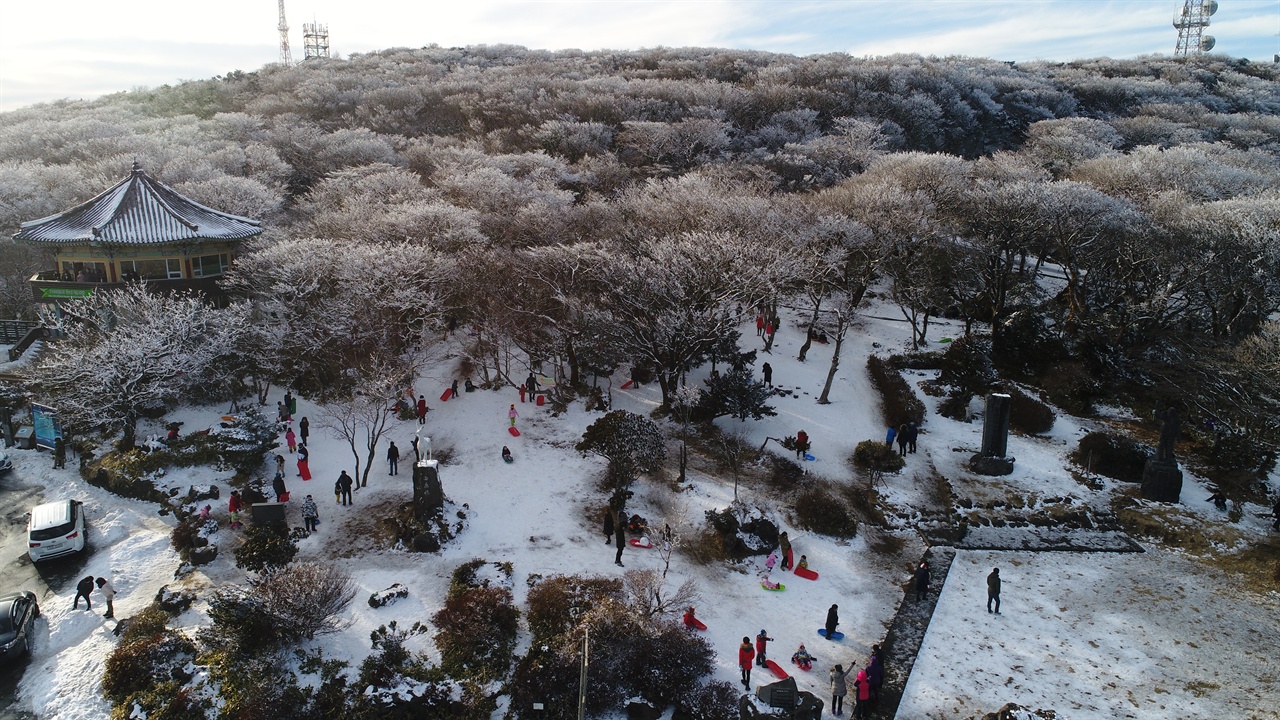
[
  {"x": 905, "y": 434},
  {"x": 866, "y": 684},
  {"x": 85, "y": 587}
]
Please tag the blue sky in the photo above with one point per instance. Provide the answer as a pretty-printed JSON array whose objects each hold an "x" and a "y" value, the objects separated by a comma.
[{"x": 52, "y": 49}]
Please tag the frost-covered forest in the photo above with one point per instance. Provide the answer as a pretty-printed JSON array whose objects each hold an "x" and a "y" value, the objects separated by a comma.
[{"x": 1115, "y": 220}]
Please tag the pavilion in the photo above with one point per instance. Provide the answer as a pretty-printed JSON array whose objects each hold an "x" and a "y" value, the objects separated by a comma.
[{"x": 139, "y": 229}]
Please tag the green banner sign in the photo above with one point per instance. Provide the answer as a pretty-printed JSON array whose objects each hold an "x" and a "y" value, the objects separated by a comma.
[{"x": 65, "y": 292}]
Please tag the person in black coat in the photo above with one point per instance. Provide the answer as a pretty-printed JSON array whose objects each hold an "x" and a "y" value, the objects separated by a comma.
[
  {"x": 767, "y": 369},
  {"x": 922, "y": 580},
  {"x": 83, "y": 588},
  {"x": 993, "y": 589},
  {"x": 531, "y": 384},
  {"x": 620, "y": 536},
  {"x": 833, "y": 619},
  {"x": 913, "y": 431},
  {"x": 277, "y": 485},
  {"x": 393, "y": 460},
  {"x": 344, "y": 488},
  {"x": 608, "y": 526}
]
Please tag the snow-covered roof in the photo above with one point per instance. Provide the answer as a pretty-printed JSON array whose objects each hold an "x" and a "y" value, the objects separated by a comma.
[{"x": 137, "y": 211}]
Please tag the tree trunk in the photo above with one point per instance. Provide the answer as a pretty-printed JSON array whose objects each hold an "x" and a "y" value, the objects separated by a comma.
[
  {"x": 841, "y": 325},
  {"x": 808, "y": 336},
  {"x": 129, "y": 438},
  {"x": 571, "y": 356}
]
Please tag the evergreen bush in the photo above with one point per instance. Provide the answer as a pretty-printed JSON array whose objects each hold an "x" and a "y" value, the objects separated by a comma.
[
  {"x": 898, "y": 402},
  {"x": 878, "y": 456},
  {"x": 265, "y": 547},
  {"x": 1112, "y": 455},
  {"x": 477, "y": 632},
  {"x": 1027, "y": 414},
  {"x": 818, "y": 510}
]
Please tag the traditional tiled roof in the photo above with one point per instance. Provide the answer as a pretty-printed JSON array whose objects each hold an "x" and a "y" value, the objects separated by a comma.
[{"x": 137, "y": 211}]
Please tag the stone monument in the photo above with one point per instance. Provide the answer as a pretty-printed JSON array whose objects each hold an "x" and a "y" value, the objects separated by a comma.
[
  {"x": 1161, "y": 478},
  {"x": 992, "y": 460}
]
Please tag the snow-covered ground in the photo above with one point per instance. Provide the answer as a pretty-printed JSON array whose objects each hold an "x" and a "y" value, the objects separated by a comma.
[{"x": 543, "y": 514}]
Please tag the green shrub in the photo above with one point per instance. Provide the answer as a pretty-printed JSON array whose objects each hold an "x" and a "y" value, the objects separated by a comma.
[
  {"x": 554, "y": 604},
  {"x": 1027, "y": 414},
  {"x": 818, "y": 510},
  {"x": 956, "y": 406},
  {"x": 717, "y": 700},
  {"x": 1114, "y": 456},
  {"x": 139, "y": 665},
  {"x": 264, "y": 547},
  {"x": 152, "y": 620},
  {"x": 1071, "y": 386},
  {"x": 878, "y": 456},
  {"x": 477, "y": 632},
  {"x": 898, "y": 402},
  {"x": 966, "y": 366},
  {"x": 183, "y": 537},
  {"x": 164, "y": 701}
]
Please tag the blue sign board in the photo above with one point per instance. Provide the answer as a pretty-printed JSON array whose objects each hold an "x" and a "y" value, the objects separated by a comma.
[{"x": 48, "y": 428}]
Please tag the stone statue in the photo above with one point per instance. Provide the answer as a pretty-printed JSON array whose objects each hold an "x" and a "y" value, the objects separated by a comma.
[{"x": 1161, "y": 478}]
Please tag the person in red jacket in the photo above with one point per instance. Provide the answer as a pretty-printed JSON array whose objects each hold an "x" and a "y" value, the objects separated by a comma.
[
  {"x": 762, "y": 644},
  {"x": 235, "y": 506},
  {"x": 745, "y": 655},
  {"x": 802, "y": 444},
  {"x": 862, "y": 709},
  {"x": 422, "y": 410}
]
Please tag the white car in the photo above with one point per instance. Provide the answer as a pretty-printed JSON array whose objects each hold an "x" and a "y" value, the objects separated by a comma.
[{"x": 55, "y": 529}]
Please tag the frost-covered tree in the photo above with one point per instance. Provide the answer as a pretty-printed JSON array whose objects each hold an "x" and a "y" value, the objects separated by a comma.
[
  {"x": 126, "y": 351},
  {"x": 737, "y": 394},
  {"x": 360, "y": 417},
  {"x": 631, "y": 443}
]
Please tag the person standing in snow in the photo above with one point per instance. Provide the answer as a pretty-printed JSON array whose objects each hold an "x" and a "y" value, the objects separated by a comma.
[
  {"x": 759, "y": 325},
  {"x": 310, "y": 514},
  {"x": 922, "y": 580},
  {"x": 291, "y": 440},
  {"x": 280, "y": 412},
  {"x": 784, "y": 546},
  {"x": 875, "y": 673},
  {"x": 512, "y": 414},
  {"x": 234, "y": 506},
  {"x": 913, "y": 431},
  {"x": 745, "y": 655},
  {"x": 109, "y": 593},
  {"x": 280, "y": 464},
  {"x": 393, "y": 459},
  {"x": 767, "y": 369},
  {"x": 608, "y": 526},
  {"x": 422, "y": 409},
  {"x": 620, "y": 536},
  {"x": 289, "y": 405},
  {"x": 304, "y": 429},
  {"x": 453, "y": 389},
  {"x": 833, "y": 619},
  {"x": 902, "y": 439},
  {"x": 762, "y": 645},
  {"x": 344, "y": 489},
  {"x": 839, "y": 688},
  {"x": 531, "y": 386},
  {"x": 277, "y": 485},
  {"x": 304, "y": 470},
  {"x": 889, "y": 436},
  {"x": 993, "y": 590},
  {"x": 862, "y": 706},
  {"x": 59, "y": 453},
  {"x": 83, "y": 588},
  {"x": 802, "y": 444}
]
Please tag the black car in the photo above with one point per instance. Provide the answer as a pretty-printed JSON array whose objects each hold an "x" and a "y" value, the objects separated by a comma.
[{"x": 18, "y": 613}]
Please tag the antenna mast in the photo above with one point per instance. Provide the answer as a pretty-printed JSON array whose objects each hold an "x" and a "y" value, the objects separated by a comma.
[
  {"x": 315, "y": 40},
  {"x": 286, "y": 58},
  {"x": 1191, "y": 24}
]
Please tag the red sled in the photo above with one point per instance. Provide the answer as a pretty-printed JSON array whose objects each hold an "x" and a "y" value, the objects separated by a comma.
[
  {"x": 284, "y": 497},
  {"x": 803, "y": 666},
  {"x": 627, "y": 385},
  {"x": 806, "y": 573},
  {"x": 514, "y": 432},
  {"x": 640, "y": 543},
  {"x": 448, "y": 393},
  {"x": 777, "y": 669},
  {"x": 695, "y": 623},
  {"x": 542, "y": 400}
]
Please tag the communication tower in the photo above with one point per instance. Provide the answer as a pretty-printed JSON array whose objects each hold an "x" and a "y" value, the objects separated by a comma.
[
  {"x": 315, "y": 40},
  {"x": 286, "y": 58},
  {"x": 1191, "y": 23}
]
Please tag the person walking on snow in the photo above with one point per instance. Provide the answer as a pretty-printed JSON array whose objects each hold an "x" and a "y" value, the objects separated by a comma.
[
  {"x": 344, "y": 489},
  {"x": 291, "y": 439},
  {"x": 993, "y": 590},
  {"x": 608, "y": 526},
  {"x": 531, "y": 386},
  {"x": 512, "y": 414},
  {"x": 304, "y": 429},
  {"x": 902, "y": 439},
  {"x": 745, "y": 655},
  {"x": 453, "y": 389},
  {"x": 762, "y": 645},
  {"x": 760, "y": 326},
  {"x": 289, "y": 405},
  {"x": 875, "y": 673},
  {"x": 833, "y": 619},
  {"x": 310, "y": 514},
  {"x": 839, "y": 688},
  {"x": 922, "y": 580},
  {"x": 422, "y": 410},
  {"x": 913, "y": 431},
  {"x": 767, "y": 369},
  {"x": 620, "y": 536},
  {"x": 109, "y": 593},
  {"x": 277, "y": 486},
  {"x": 83, "y": 588},
  {"x": 304, "y": 470},
  {"x": 393, "y": 459},
  {"x": 889, "y": 436}
]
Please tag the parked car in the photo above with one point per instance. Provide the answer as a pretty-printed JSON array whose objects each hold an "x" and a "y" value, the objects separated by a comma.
[
  {"x": 5, "y": 462},
  {"x": 18, "y": 613},
  {"x": 55, "y": 529}
]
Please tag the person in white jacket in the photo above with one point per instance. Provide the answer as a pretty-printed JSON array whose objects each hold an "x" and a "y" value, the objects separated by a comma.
[{"x": 109, "y": 593}]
